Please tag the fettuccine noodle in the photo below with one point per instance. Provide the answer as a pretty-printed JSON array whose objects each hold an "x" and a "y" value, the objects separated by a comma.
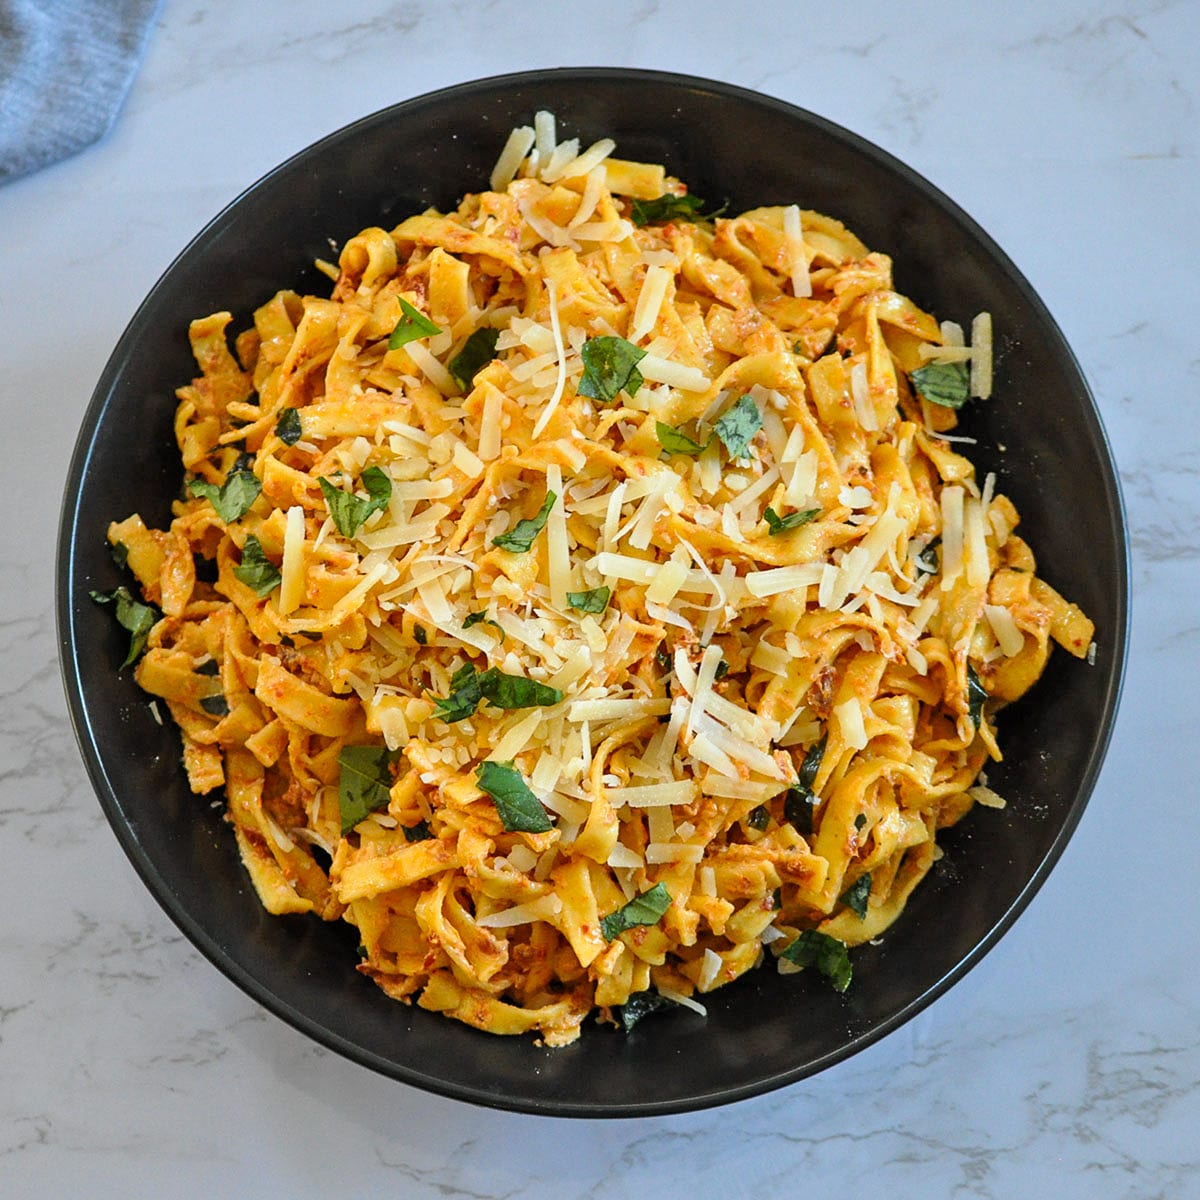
[{"x": 590, "y": 606}]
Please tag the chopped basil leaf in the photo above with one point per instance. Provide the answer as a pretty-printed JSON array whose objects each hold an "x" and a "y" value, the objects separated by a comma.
[
  {"x": 928, "y": 559},
  {"x": 827, "y": 954},
  {"x": 132, "y": 615},
  {"x": 812, "y": 762},
  {"x": 777, "y": 524},
  {"x": 120, "y": 553},
  {"x": 234, "y": 497},
  {"x": 798, "y": 805},
  {"x": 642, "y": 1004},
  {"x": 287, "y": 428},
  {"x": 667, "y": 207},
  {"x": 800, "y": 799},
  {"x": 976, "y": 695},
  {"x": 257, "y": 571},
  {"x": 464, "y": 698},
  {"x": 737, "y": 427},
  {"x": 478, "y": 350},
  {"x": 420, "y": 636},
  {"x": 759, "y": 818},
  {"x": 610, "y": 366},
  {"x": 468, "y": 687},
  {"x": 593, "y": 601},
  {"x": 675, "y": 441},
  {"x": 520, "y": 810},
  {"x": 646, "y": 909},
  {"x": 208, "y": 667},
  {"x": 413, "y": 324},
  {"x": 944, "y": 383},
  {"x": 515, "y": 691},
  {"x": 481, "y": 617},
  {"x": 216, "y": 706},
  {"x": 420, "y": 832},
  {"x": 520, "y": 537},
  {"x": 662, "y": 656},
  {"x": 857, "y": 894},
  {"x": 350, "y": 511},
  {"x": 365, "y": 781},
  {"x": 860, "y": 822},
  {"x": 722, "y": 670}
]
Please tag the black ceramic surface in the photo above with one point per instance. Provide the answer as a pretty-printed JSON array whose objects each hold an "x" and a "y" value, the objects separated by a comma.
[{"x": 1041, "y": 433}]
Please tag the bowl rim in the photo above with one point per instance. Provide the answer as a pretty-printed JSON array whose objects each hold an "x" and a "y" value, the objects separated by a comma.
[{"x": 160, "y": 886}]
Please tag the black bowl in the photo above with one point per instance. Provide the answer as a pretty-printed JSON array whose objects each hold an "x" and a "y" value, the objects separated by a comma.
[{"x": 1041, "y": 433}]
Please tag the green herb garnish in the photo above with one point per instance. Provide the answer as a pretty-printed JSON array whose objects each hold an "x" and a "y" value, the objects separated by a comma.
[
  {"x": 855, "y": 897},
  {"x": 610, "y": 366},
  {"x": 593, "y": 601},
  {"x": 210, "y": 666},
  {"x": 413, "y": 324},
  {"x": 759, "y": 818},
  {"x": 642, "y": 1004},
  {"x": 215, "y": 706},
  {"x": 420, "y": 832},
  {"x": 469, "y": 687},
  {"x": 812, "y": 762},
  {"x": 520, "y": 537},
  {"x": 480, "y": 618},
  {"x": 944, "y": 383},
  {"x": 927, "y": 560},
  {"x": 257, "y": 571},
  {"x": 132, "y": 615},
  {"x": 667, "y": 207},
  {"x": 520, "y": 810},
  {"x": 777, "y": 524},
  {"x": 350, "y": 511},
  {"x": 800, "y": 799},
  {"x": 233, "y": 498},
  {"x": 420, "y": 636},
  {"x": 675, "y": 441},
  {"x": 287, "y": 427},
  {"x": 827, "y": 954},
  {"x": 515, "y": 691},
  {"x": 478, "y": 350},
  {"x": 646, "y": 909},
  {"x": 798, "y": 805},
  {"x": 465, "y": 695},
  {"x": 365, "y": 781},
  {"x": 737, "y": 427},
  {"x": 976, "y": 695}
]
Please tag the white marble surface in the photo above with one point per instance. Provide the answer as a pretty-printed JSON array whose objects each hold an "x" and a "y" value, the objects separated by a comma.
[{"x": 130, "y": 1067}]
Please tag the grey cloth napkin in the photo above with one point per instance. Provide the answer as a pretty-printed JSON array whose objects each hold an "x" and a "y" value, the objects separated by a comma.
[{"x": 65, "y": 66}]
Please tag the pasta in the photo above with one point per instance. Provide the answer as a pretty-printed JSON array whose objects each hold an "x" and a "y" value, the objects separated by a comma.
[{"x": 585, "y": 600}]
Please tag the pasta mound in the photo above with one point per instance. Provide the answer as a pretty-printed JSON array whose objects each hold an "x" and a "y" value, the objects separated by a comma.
[{"x": 590, "y": 601}]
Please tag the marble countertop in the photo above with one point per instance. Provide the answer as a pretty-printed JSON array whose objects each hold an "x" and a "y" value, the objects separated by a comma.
[{"x": 1067, "y": 1064}]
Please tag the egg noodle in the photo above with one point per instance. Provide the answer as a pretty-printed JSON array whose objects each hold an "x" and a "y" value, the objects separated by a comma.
[{"x": 590, "y": 603}]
